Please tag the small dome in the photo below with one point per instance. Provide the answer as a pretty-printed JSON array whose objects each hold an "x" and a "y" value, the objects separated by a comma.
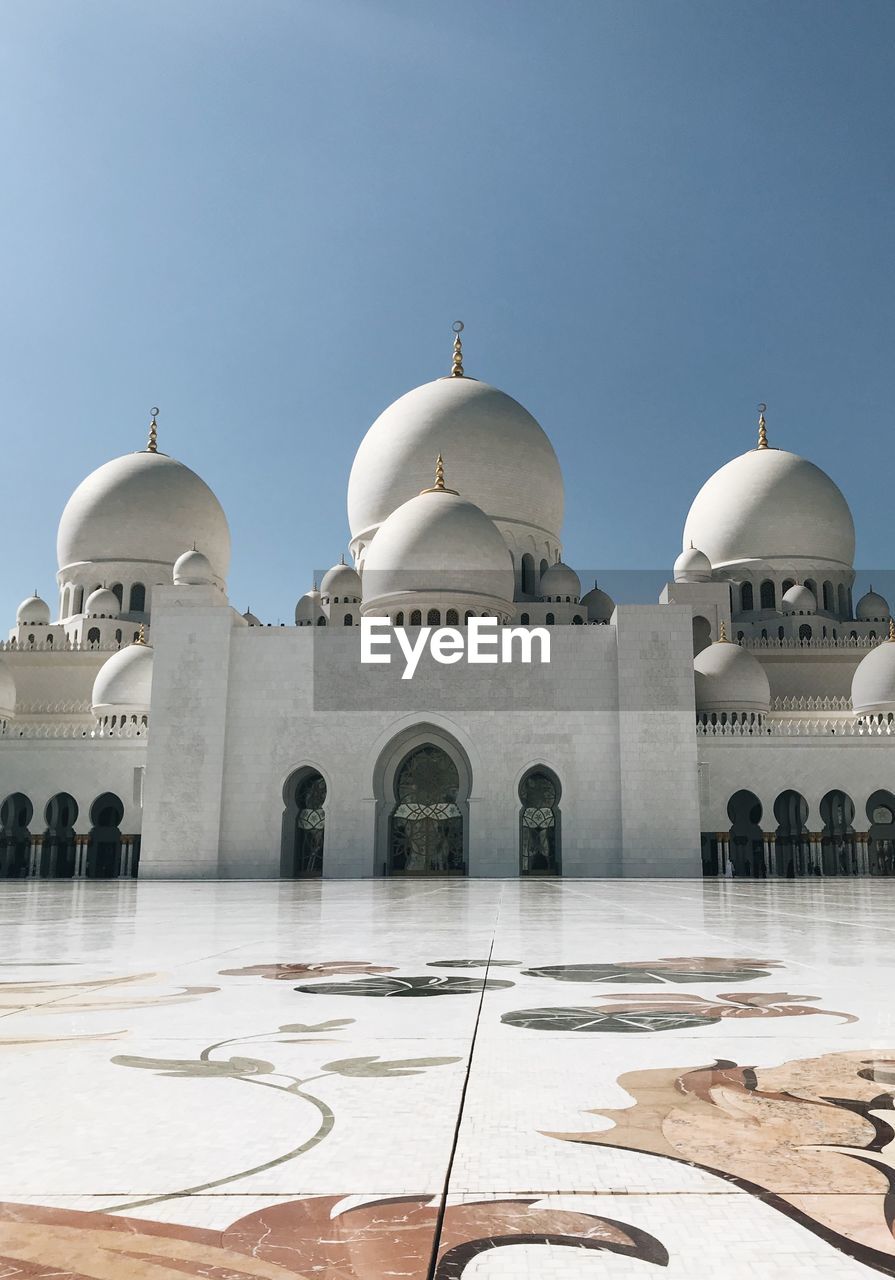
[
  {"x": 729, "y": 678},
  {"x": 341, "y": 582},
  {"x": 193, "y": 569},
  {"x": 873, "y": 684},
  {"x": 692, "y": 565},
  {"x": 144, "y": 507},
  {"x": 600, "y": 606},
  {"x": 559, "y": 582},
  {"x": 33, "y": 612},
  {"x": 309, "y": 610},
  {"x": 102, "y": 603},
  {"x": 124, "y": 682},
  {"x": 498, "y": 457},
  {"x": 250, "y": 618},
  {"x": 437, "y": 544},
  {"x": 799, "y": 599},
  {"x": 7, "y": 692},
  {"x": 772, "y": 507},
  {"x": 872, "y": 607}
]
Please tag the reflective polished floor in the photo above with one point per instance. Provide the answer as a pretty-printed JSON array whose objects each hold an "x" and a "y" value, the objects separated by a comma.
[{"x": 446, "y": 1079}]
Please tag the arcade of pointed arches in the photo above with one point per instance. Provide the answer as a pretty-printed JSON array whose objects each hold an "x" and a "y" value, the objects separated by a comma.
[
  {"x": 50, "y": 848},
  {"x": 791, "y": 843}
]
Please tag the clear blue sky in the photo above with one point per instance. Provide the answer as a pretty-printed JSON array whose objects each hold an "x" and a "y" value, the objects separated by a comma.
[{"x": 263, "y": 216}]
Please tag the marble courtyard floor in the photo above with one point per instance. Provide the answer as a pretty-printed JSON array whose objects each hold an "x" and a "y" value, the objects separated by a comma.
[{"x": 493, "y": 1080}]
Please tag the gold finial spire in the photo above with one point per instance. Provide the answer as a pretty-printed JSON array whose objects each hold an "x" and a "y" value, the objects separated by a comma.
[
  {"x": 457, "y": 362},
  {"x": 152, "y": 446},
  {"x": 439, "y": 485},
  {"x": 762, "y": 433},
  {"x": 141, "y": 638},
  {"x": 892, "y": 628},
  {"x": 722, "y": 633}
]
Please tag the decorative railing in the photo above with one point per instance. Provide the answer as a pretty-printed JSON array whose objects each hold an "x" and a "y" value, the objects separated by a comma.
[
  {"x": 843, "y": 727},
  {"x": 63, "y": 646},
  {"x": 13, "y": 730}
]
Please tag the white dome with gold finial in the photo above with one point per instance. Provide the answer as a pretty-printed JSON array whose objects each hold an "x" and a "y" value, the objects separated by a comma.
[
  {"x": 773, "y": 509},
  {"x": 442, "y": 547},
  {"x": 500, "y": 459},
  {"x": 123, "y": 685},
  {"x": 144, "y": 507},
  {"x": 730, "y": 679}
]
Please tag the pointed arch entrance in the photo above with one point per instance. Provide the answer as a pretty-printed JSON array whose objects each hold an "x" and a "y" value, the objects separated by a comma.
[
  {"x": 422, "y": 784},
  {"x": 104, "y": 841},
  {"x": 16, "y": 812},
  {"x": 304, "y": 825},
  {"x": 539, "y": 830},
  {"x": 60, "y": 849}
]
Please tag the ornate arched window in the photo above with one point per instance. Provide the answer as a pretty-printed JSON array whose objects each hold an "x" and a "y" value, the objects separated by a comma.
[
  {"x": 746, "y": 599},
  {"x": 304, "y": 825},
  {"x": 767, "y": 594},
  {"x": 138, "y": 598}
]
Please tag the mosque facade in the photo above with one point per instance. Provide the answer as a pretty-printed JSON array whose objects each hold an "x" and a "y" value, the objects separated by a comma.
[{"x": 740, "y": 726}]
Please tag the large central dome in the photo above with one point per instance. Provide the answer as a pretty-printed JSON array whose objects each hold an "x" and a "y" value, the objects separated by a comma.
[
  {"x": 497, "y": 455},
  {"x": 144, "y": 507},
  {"x": 771, "y": 506}
]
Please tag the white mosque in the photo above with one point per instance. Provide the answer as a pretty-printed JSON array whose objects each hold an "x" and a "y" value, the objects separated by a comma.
[{"x": 741, "y": 726}]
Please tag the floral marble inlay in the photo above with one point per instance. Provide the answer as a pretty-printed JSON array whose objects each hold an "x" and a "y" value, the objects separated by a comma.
[
  {"x": 425, "y": 985},
  {"x": 678, "y": 969},
  {"x": 813, "y": 1137},
  {"x": 312, "y": 1237},
  {"x": 665, "y": 1012},
  {"x": 289, "y": 972}
]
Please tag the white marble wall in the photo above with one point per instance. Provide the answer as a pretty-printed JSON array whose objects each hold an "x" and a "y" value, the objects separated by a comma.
[
  {"x": 84, "y": 767},
  {"x": 236, "y": 710}
]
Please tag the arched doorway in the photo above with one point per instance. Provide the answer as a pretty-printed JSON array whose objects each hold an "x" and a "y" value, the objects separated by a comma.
[
  {"x": 59, "y": 854},
  {"x": 881, "y": 833},
  {"x": 539, "y": 830},
  {"x": 746, "y": 840},
  {"x": 304, "y": 823},
  {"x": 792, "y": 846},
  {"x": 104, "y": 841},
  {"x": 15, "y": 837},
  {"x": 837, "y": 841},
  {"x": 425, "y": 834}
]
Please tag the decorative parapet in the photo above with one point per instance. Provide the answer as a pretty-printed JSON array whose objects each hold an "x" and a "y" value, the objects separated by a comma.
[
  {"x": 822, "y": 642},
  {"x": 64, "y": 646},
  {"x": 840, "y": 727},
  {"x": 811, "y": 704},
  {"x": 80, "y": 707}
]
